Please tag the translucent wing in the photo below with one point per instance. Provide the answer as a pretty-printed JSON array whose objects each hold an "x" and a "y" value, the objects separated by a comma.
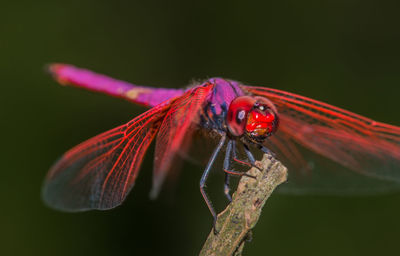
[
  {"x": 100, "y": 172},
  {"x": 331, "y": 149},
  {"x": 176, "y": 130}
]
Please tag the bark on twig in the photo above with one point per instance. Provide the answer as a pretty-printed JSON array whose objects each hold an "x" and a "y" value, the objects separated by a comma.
[{"x": 237, "y": 220}]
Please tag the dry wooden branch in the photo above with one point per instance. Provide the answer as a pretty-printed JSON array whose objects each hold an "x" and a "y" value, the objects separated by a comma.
[{"x": 237, "y": 220}]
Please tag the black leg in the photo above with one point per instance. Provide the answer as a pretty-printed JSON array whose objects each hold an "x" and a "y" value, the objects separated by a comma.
[
  {"x": 271, "y": 155},
  {"x": 227, "y": 163},
  {"x": 249, "y": 154},
  {"x": 227, "y": 189},
  {"x": 265, "y": 150},
  {"x": 205, "y": 176},
  {"x": 231, "y": 150},
  {"x": 234, "y": 153}
]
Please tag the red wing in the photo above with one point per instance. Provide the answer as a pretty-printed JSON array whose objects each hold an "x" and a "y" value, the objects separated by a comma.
[
  {"x": 100, "y": 172},
  {"x": 175, "y": 132},
  {"x": 310, "y": 132}
]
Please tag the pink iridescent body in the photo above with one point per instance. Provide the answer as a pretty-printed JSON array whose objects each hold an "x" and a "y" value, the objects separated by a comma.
[
  {"x": 70, "y": 75},
  {"x": 327, "y": 149},
  {"x": 223, "y": 93}
]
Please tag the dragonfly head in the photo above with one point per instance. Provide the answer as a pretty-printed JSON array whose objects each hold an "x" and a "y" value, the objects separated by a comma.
[{"x": 253, "y": 117}]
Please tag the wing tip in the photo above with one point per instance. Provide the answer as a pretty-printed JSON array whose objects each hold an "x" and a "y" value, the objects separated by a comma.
[{"x": 51, "y": 195}]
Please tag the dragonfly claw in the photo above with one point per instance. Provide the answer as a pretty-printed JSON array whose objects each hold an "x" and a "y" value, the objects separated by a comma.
[
  {"x": 250, "y": 176},
  {"x": 227, "y": 193},
  {"x": 216, "y": 232},
  {"x": 257, "y": 167}
]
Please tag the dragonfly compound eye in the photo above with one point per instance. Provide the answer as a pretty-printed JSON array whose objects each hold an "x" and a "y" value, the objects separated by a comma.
[
  {"x": 237, "y": 114},
  {"x": 261, "y": 123},
  {"x": 262, "y": 120},
  {"x": 254, "y": 116}
]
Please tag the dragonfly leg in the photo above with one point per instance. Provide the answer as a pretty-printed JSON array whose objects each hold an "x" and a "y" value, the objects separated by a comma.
[
  {"x": 227, "y": 189},
  {"x": 232, "y": 172},
  {"x": 227, "y": 163},
  {"x": 204, "y": 179},
  {"x": 235, "y": 158},
  {"x": 250, "y": 156},
  {"x": 241, "y": 162},
  {"x": 269, "y": 153},
  {"x": 231, "y": 151}
]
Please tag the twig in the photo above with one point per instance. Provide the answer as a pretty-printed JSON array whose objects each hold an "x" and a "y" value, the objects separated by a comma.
[{"x": 237, "y": 220}]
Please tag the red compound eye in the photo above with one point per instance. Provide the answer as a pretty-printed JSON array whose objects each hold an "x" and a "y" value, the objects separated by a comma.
[
  {"x": 261, "y": 124},
  {"x": 237, "y": 114},
  {"x": 253, "y": 116}
]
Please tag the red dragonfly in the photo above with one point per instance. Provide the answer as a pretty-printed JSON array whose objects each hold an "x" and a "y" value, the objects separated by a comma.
[{"x": 354, "y": 154}]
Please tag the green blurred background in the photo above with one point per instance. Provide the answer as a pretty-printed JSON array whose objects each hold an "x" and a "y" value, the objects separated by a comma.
[{"x": 344, "y": 52}]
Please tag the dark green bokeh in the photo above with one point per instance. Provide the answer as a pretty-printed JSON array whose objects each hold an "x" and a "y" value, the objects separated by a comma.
[{"x": 343, "y": 52}]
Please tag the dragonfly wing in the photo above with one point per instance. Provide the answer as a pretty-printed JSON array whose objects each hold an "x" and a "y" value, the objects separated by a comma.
[
  {"x": 176, "y": 130},
  {"x": 69, "y": 75},
  {"x": 100, "y": 172},
  {"x": 326, "y": 140}
]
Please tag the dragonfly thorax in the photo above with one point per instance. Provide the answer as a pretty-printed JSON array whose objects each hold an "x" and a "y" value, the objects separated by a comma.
[{"x": 253, "y": 117}]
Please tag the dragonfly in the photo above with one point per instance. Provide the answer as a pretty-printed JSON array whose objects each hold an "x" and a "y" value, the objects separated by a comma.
[{"x": 326, "y": 149}]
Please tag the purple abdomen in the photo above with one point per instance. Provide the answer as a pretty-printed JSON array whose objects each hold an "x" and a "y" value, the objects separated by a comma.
[{"x": 83, "y": 78}]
